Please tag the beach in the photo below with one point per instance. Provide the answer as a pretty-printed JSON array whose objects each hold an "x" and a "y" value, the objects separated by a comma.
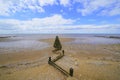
[{"x": 25, "y": 57}]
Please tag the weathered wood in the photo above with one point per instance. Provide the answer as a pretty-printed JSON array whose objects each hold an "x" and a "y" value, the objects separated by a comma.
[
  {"x": 58, "y": 57},
  {"x": 52, "y": 62},
  {"x": 49, "y": 60},
  {"x": 63, "y": 52},
  {"x": 71, "y": 72},
  {"x": 59, "y": 68},
  {"x": 57, "y": 44}
]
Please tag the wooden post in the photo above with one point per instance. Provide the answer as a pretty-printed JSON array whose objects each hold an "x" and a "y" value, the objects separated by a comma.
[
  {"x": 63, "y": 52},
  {"x": 71, "y": 72},
  {"x": 49, "y": 60}
]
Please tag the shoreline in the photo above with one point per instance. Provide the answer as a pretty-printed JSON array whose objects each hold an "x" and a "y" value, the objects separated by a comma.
[{"x": 86, "y": 59}]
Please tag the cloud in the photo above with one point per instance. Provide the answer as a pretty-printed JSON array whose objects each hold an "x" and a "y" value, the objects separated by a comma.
[
  {"x": 110, "y": 7},
  {"x": 65, "y": 2},
  {"x": 92, "y": 26},
  {"x": 4, "y": 8},
  {"x": 112, "y": 11},
  {"x": 47, "y": 2},
  {"x": 85, "y": 7},
  {"x": 55, "y": 23},
  {"x": 8, "y": 7},
  {"x": 36, "y": 23}
]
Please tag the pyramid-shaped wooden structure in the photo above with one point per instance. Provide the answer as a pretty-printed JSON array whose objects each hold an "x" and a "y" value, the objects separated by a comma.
[{"x": 57, "y": 45}]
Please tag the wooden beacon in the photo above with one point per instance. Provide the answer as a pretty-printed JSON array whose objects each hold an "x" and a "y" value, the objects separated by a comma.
[{"x": 57, "y": 44}]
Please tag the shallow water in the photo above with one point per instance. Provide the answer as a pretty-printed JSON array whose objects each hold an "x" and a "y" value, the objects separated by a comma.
[
  {"x": 21, "y": 43},
  {"x": 32, "y": 41},
  {"x": 95, "y": 40}
]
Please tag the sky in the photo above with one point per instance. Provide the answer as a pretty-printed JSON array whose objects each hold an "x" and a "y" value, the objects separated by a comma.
[{"x": 59, "y": 16}]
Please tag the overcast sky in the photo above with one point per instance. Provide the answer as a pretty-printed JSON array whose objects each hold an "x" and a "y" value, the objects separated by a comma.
[{"x": 59, "y": 16}]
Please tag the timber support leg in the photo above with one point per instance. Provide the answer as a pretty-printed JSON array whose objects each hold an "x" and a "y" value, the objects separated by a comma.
[
  {"x": 49, "y": 60},
  {"x": 71, "y": 72}
]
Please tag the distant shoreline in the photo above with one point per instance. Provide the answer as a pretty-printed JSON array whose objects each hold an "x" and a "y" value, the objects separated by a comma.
[
  {"x": 6, "y": 36},
  {"x": 115, "y": 37}
]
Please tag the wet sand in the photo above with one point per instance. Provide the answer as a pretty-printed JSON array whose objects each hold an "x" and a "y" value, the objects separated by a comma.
[{"x": 89, "y": 61}]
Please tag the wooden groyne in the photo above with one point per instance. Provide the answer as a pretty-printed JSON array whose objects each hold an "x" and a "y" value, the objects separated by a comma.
[
  {"x": 52, "y": 62},
  {"x": 59, "y": 68},
  {"x": 58, "y": 57},
  {"x": 57, "y": 45}
]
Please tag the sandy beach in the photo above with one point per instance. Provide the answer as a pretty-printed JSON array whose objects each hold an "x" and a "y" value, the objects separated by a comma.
[{"x": 91, "y": 57}]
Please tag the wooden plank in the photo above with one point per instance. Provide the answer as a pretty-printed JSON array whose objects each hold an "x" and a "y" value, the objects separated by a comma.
[
  {"x": 59, "y": 68},
  {"x": 57, "y": 58},
  {"x": 52, "y": 62}
]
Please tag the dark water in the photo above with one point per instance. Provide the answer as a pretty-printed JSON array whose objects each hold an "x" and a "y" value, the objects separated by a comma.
[{"x": 32, "y": 41}]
